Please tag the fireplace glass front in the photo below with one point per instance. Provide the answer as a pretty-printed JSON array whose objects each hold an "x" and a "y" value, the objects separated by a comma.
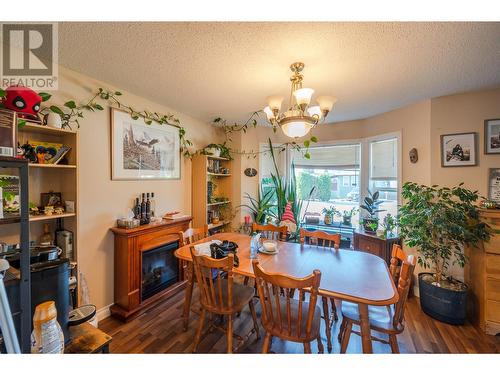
[{"x": 159, "y": 269}]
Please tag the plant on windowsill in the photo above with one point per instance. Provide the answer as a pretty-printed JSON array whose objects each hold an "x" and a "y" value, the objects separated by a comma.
[
  {"x": 347, "y": 215},
  {"x": 439, "y": 222},
  {"x": 389, "y": 224},
  {"x": 371, "y": 205},
  {"x": 330, "y": 212}
]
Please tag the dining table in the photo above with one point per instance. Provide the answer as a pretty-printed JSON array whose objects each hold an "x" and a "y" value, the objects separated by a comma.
[{"x": 346, "y": 275}]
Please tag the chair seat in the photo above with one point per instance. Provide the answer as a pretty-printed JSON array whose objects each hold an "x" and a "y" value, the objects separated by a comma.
[
  {"x": 294, "y": 308},
  {"x": 242, "y": 295},
  {"x": 381, "y": 317}
]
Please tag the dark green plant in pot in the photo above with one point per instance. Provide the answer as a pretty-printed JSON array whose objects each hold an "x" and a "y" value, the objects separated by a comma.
[
  {"x": 439, "y": 222},
  {"x": 371, "y": 205},
  {"x": 260, "y": 207}
]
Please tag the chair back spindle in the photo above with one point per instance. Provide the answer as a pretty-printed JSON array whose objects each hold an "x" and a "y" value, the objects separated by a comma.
[
  {"x": 192, "y": 235},
  {"x": 398, "y": 256}
]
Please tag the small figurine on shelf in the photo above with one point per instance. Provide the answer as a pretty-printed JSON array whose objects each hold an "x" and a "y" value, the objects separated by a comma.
[{"x": 28, "y": 152}]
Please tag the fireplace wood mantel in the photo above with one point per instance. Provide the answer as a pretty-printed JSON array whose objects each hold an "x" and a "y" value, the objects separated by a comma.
[{"x": 129, "y": 245}]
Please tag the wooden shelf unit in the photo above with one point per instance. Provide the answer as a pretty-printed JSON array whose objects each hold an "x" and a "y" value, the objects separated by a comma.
[
  {"x": 223, "y": 188},
  {"x": 61, "y": 178}
]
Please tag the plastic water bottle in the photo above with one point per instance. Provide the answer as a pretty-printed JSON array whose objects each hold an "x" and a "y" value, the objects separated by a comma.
[{"x": 254, "y": 245}]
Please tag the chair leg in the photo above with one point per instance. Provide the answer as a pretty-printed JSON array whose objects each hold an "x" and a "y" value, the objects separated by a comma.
[
  {"x": 328, "y": 330},
  {"x": 334, "y": 309},
  {"x": 346, "y": 337},
  {"x": 307, "y": 348},
  {"x": 267, "y": 343},
  {"x": 321, "y": 349},
  {"x": 393, "y": 341},
  {"x": 341, "y": 330},
  {"x": 198, "y": 332},
  {"x": 230, "y": 333},
  {"x": 254, "y": 317},
  {"x": 187, "y": 298}
]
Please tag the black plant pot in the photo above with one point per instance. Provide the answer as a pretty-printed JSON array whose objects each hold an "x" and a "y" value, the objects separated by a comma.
[
  {"x": 347, "y": 220},
  {"x": 446, "y": 305},
  {"x": 367, "y": 221}
]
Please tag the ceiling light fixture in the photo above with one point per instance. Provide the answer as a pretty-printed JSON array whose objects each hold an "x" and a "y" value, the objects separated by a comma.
[{"x": 300, "y": 118}]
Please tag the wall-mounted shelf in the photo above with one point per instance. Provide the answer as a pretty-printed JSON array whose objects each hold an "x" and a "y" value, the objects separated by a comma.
[
  {"x": 215, "y": 157},
  {"x": 41, "y": 129},
  {"x": 218, "y": 203}
]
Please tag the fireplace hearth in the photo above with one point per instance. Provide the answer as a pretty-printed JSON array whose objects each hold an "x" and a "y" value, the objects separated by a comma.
[{"x": 160, "y": 269}]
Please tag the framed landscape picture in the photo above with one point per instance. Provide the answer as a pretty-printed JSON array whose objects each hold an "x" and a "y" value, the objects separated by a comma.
[
  {"x": 494, "y": 185},
  {"x": 459, "y": 150},
  {"x": 492, "y": 136},
  {"x": 140, "y": 151}
]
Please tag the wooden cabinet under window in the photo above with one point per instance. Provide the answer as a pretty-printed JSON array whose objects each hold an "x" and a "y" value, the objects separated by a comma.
[
  {"x": 371, "y": 243},
  {"x": 482, "y": 275}
]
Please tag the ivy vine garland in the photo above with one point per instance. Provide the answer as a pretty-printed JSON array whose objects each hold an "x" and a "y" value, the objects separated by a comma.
[{"x": 71, "y": 113}]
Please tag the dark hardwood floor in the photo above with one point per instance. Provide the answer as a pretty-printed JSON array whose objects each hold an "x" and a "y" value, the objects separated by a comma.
[{"x": 159, "y": 330}]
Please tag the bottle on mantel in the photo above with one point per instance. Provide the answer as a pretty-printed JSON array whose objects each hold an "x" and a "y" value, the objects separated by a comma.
[
  {"x": 153, "y": 205},
  {"x": 148, "y": 208},
  {"x": 143, "y": 209},
  {"x": 137, "y": 209}
]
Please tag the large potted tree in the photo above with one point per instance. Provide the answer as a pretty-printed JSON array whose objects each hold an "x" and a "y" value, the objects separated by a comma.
[{"x": 438, "y": 222}]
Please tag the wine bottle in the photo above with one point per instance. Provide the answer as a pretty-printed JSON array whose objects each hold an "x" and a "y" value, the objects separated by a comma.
[
  {"x": 153, "y": 205},
  {"x": 143, "y": 209},
  {"x": 137, "y": 209},
  {"x": 148, "y": 208}
]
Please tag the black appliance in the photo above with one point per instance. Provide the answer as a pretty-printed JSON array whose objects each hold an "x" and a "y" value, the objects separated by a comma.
[{"x": 49, "y": 282}]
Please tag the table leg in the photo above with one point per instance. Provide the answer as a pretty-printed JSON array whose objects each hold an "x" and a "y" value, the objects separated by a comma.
[
  {"x": 365, "y": 328},
  {"x": 188, "y": 295}
]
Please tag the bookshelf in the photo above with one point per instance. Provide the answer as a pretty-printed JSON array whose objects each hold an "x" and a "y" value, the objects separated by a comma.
[
  {"x": 62, "y": 177},
  {"x": 210, "y": 181}
]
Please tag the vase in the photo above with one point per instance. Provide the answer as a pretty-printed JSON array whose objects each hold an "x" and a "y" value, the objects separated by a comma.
[
  {"x": 54, "y": 120},
  {"x": 328, "y": 220}
]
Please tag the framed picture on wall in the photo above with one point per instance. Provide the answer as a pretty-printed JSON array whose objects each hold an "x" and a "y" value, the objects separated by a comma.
[
  {"x": 492, "y": 136},
  {"x": 494, "y": 185},
  {"x": 459, "y": 150},
  {"x": 143, "y": 152}
]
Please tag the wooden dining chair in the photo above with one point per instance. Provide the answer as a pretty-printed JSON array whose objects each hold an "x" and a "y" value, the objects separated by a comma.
[
  {"x": 187, "y": 237},
  {"x": 220, "y": 296},
  {"x": 387, "y": 321},
  {"x": 284, "y": 317},
  {"x": 326, "y": 241},
  {"x": 398, "y": 256},
  {"x": 270, "y": 231}
]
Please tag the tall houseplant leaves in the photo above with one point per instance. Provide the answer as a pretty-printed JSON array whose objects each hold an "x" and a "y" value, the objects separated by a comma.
[{"x": 439, "y": 222}]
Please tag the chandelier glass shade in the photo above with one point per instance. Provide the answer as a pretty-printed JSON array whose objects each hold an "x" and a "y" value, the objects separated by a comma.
[{"x": 300, "y": 117}]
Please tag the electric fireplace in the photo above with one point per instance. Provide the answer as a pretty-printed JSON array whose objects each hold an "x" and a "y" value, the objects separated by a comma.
[{"x": 160, "y": 269}]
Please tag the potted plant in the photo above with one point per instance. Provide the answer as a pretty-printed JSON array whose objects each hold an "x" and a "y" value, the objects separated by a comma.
[
  {"x": 260, "y": 207},
  {"x": 389, "y": 224},
  {"x": 439, "y": 222},
  {"x": 329, "y": 212},
  {"x": 347, "y": 215},
  {"x": 218, "y": 150},
  {"x": 371, "y": 206}
]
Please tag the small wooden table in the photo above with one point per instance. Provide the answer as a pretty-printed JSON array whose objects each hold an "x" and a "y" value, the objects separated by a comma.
[
  {"x": 86, "y": 339},
  {"x": 347, "y": 275}
]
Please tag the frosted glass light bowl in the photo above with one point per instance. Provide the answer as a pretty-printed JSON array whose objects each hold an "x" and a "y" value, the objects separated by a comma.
[{"x": 270, "y": 246}]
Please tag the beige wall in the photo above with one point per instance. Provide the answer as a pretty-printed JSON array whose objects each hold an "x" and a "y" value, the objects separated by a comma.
[{"x": 101, "y": 200}]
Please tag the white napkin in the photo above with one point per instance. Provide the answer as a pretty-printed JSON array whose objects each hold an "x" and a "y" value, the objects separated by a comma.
[{"x": 204, "y": 248}]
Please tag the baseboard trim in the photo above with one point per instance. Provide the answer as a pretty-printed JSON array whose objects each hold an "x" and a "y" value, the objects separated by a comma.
[{"x": 103, "y": 313}]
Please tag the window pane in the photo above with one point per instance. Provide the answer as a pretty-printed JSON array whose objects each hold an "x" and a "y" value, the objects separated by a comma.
[
  {"x": 384, "y": 174},
  {"x": 334, "y": 171}
]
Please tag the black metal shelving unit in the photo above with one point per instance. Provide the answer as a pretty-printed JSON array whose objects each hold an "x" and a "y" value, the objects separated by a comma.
[{"x": 24, "y": 249}]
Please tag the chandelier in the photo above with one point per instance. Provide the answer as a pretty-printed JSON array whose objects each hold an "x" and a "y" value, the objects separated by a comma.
[{"x": 300, "y": 117}]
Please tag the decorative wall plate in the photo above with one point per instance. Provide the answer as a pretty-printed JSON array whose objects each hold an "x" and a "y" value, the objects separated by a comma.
[{"x": 250, "y": 172}]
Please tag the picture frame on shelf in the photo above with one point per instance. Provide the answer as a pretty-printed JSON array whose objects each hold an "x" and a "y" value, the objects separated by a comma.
[
  {"x": 143, "y": 152},
  {"x": 51, "y": 199},
  {"x": 459, "y": 150},
  {"x": 492, "y": 136},
  {"x": 494, "y": 185}
]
